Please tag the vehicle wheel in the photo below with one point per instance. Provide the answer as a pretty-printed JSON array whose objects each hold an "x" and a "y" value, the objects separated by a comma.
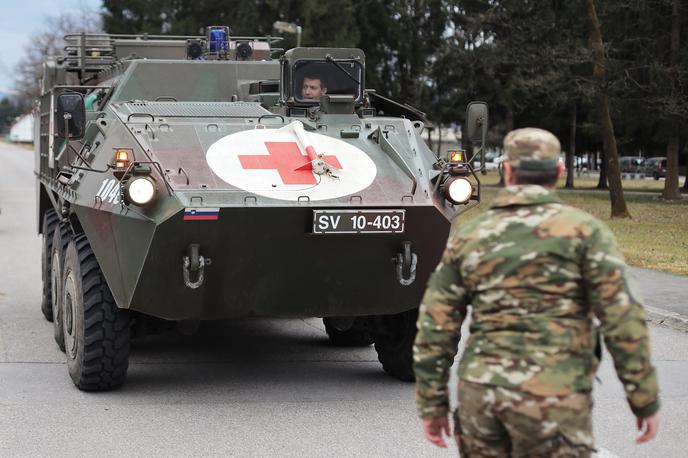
[
  {"x": 394, "y": 336},
  {"x": 96, "y": 332},
  {"x": 61, "y": 239},
  {"x": 358, "y": 334},
  {"x": 50, "y": 221},
  {"x": 655, "y": 176}
]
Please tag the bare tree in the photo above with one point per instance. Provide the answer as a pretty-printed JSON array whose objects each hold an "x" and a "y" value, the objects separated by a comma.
[
  {"x": 46, "y": 43},
  {"x": 611, "y": 155},
  {"x": 570, "y": 154}
]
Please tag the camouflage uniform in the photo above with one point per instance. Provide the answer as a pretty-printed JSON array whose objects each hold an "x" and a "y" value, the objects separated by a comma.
[{"x": 536, "y": 272}]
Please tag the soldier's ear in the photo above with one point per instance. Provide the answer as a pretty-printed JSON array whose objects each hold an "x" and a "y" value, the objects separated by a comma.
[
  {"x": 560, "y": 169},
  {"x": 507, "y": 171}
]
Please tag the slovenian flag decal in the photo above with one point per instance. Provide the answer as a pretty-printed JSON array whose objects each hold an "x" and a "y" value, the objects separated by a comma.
[{"x": 205, "y": 214}]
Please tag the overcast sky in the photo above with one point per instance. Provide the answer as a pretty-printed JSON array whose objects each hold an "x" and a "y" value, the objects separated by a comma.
[{"x": 22, "y": 18}]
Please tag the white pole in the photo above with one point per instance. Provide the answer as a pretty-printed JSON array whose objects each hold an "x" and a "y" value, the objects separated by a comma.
[{"x": 316, "y": 161}]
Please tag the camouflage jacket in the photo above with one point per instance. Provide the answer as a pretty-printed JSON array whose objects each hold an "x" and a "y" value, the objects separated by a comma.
[{"x": 535, "y": 272}]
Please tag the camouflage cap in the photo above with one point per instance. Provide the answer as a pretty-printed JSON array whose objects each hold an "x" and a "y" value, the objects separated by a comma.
[{"x": 532, "y": 149}]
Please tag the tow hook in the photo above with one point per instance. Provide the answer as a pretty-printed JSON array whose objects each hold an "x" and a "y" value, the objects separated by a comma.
[
  {"x": 194, "y": 265},
  {"x": 406, "y": 261}
]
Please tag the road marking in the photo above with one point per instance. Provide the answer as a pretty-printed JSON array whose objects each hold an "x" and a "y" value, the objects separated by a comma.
[{"x": 604, "y": 453}]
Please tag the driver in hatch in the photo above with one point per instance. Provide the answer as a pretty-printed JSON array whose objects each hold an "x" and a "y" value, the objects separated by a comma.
[{"x": 313, "y": 87}]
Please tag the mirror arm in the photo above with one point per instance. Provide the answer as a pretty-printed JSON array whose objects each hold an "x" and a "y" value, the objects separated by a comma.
[
  {"x": 67, "y": 117},
  {"x": 483, "y": 128}
]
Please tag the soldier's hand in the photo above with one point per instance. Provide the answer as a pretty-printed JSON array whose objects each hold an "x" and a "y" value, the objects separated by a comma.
[
  {"x": 649, "y": 427},
  {"x": 435, "y": 429}
]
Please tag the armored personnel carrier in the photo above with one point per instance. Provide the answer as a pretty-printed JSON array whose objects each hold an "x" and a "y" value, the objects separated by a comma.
[{"x": 204, "y": 178}]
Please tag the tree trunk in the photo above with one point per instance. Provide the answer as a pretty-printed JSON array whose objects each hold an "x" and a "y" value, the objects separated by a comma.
[
  {"x": 671, "y": 184},
  {"x": 611, "y": 155},
  {"x": 509, "y": 122},
  {"x": 439, "y": 140},
  {"x": 671, "y": 191},
  {"x": 602, "y": 183},
  {"x": 571, "y": 153}
]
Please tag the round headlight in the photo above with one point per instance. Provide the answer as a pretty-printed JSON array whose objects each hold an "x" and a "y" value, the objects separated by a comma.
[
  {"x": 140, "y": 190},
  {"x": 458, "y": 190}
]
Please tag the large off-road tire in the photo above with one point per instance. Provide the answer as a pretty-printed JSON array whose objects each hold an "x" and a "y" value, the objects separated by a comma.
[
  {"x": 96, "y": 332},
  {"x": 50, "y": 221},
  {"x": 61, "y": 238},
  {"x": 359, "y": 334},
  {"x": 394, "y": 336}
]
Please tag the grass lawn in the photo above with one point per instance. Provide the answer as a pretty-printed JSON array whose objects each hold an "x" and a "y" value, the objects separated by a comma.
[
  {"x": 590, "y": 182},
  {"x": 655, "y": 238}
]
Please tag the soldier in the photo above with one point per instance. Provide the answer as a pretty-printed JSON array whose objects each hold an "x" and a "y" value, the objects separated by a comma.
[
  {"x": 314, "y": 87},
  {"x": 536, "y": 273}
]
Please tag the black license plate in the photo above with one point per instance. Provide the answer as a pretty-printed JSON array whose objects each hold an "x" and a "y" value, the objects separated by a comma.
[{"x": 358, "y": 221}]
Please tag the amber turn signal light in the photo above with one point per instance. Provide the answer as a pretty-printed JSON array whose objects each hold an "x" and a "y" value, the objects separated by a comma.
[
  {"x": 122, "y": 158},
  {"x": 455, "y": 156}
]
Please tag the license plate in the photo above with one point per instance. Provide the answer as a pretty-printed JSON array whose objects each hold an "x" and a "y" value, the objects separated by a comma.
[{"x": 358, "y": 221}]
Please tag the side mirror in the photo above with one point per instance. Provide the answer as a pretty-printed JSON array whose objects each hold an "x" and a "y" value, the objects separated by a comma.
[
  {"x": 70, "y": 116},
  {"x": 477, "y": 121}
]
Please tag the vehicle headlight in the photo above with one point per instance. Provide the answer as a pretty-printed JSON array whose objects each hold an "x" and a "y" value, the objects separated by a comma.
[
  {"x": 458, "y": 190},
  {"x": 140, "y": 190}
]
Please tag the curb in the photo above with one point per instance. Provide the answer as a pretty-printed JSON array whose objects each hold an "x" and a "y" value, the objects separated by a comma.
[{"x": 671, "y": 320}]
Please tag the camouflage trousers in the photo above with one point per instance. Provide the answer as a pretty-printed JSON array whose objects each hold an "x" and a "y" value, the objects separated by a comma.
[{"x": 496, "y": 422}]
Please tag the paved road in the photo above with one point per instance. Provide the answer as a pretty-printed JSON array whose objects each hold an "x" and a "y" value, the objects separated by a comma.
[
  {"x": 663, "y": 291},
  {"x": 249, "y": 388}
]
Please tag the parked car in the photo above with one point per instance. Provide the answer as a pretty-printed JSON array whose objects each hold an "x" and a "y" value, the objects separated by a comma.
[
  {"x": 655, "y": 167},
  {"x": 631, "y": 164},
  {"x": 581, "y": 162},
  {"x": 492, "y": 161}
]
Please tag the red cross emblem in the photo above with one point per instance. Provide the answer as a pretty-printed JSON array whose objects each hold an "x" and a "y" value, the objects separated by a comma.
[{"x": 287, "y": 159}]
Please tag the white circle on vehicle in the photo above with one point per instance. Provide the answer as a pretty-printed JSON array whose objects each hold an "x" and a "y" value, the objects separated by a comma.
[{"x": 273, "y": 163}]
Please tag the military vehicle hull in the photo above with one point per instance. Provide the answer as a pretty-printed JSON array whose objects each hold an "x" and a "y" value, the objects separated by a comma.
[
  {"x": 264, "y": 262},
  {"x": 199, "y": 179}
]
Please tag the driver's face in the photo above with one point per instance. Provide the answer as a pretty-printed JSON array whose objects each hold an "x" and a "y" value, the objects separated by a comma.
[{"x": 312, "y": 89}]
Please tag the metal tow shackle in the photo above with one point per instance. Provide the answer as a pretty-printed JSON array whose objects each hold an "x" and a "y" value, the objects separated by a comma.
[
  {"x": 194, "y": 263},
  {"x": 406, "y": 260}
]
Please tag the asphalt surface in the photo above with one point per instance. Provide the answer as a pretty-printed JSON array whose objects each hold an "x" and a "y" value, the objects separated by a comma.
[
  {"x": 663, "y": 291},
  {"x": 250, "y": 387}
]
